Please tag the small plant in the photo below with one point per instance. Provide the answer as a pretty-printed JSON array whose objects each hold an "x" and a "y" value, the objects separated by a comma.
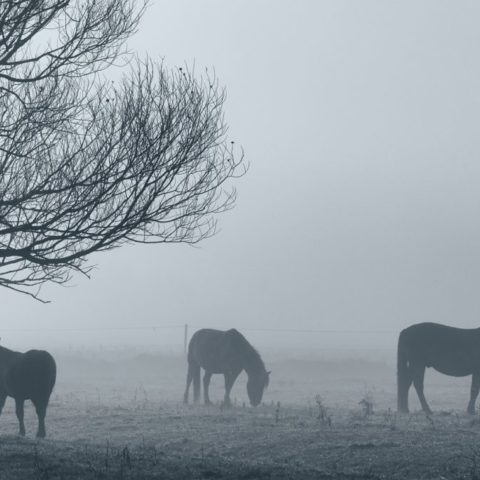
[
  {"x": 140, "y": 398},
  {"x": 367, "y": 404},
  {"x": 322, "y": 413},
  {"x": 107, "y": 452},
  {"x": 99, "y": 397},
  {"x": 125, "y": 462},
  {"x": 42, "y": 471},
  {"x": 126, "y": 457},
  {"x": 277, "y": 413},
  {"x": 155, "y": 459},
  {"x": 430, "y": 421},
  {"x": 390, "y": 419}
]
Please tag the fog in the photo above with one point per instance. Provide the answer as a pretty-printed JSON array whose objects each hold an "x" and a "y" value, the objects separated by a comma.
[{"x": 359, "y": 214}]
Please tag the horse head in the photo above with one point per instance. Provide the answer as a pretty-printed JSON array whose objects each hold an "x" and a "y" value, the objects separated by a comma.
[{"x": 256, "y": 384}]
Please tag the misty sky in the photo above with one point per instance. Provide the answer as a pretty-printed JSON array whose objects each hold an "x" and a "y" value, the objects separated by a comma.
[{"x": 361, "y": 208}]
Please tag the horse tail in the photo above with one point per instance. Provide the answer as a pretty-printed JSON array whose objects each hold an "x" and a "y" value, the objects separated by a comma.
[
  {"x": 193, "y": 374},
  {"x": 194, "y": 371},
  {"x": 40, "y": 366},
  {"x": 404, "y": 379},
  {"x": 51, "y": 372}
]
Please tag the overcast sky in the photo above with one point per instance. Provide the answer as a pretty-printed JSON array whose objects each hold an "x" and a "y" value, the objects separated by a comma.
[{"x": 361, "y": 208}]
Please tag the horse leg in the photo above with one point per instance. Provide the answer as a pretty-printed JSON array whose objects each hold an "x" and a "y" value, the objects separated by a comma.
[
  {"x": 189, "y": 381},
  {"x": 206, "y": 383},
  {"x": 475, "y": 388},
  {"x": 41, "y": 409},
  {"x": 418, "y": 376},
  {"x": 229, "y": 381},
  {"x": 194, "y": 371},
  {"x": 3, "y": 398},
  {"x": 19, "y": 411},
  {"x": 404, "y": 381}
]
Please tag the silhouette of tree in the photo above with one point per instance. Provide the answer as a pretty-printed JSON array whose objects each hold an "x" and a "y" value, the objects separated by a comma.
[{"x": 88, "y": 164}]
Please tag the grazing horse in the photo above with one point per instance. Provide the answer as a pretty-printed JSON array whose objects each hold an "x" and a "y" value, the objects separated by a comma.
[
  {"x": 449, "y": 350},
  {"x": 27, "y": 376},
  {"x": 226, "y": 352}
]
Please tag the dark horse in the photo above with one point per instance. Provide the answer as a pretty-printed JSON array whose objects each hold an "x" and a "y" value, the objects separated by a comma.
[
  {"x": 229, "y": 353},
  {"x": 449, "y": 350},
  {"x": 27, "y": 376}
]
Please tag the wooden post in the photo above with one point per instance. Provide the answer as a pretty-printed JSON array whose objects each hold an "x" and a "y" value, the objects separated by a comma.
[{"x": 185, "y": 336}]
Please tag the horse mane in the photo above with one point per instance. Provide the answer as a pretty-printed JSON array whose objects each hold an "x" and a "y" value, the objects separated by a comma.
[{"x": 252, "y": 356}]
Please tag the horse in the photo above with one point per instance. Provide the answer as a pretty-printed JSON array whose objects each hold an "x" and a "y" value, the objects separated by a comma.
[
  {"x": 449, "y": 350},
  {"x": 27, "y": 376},
  {"x": 226, "y": 352}
]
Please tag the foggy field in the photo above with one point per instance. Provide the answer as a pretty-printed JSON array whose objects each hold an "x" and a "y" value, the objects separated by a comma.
[
  {"x": 297, "y": 176},
  {"x": 119, "y": 415}
]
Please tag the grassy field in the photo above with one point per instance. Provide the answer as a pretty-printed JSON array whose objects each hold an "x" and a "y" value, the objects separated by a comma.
[{"x": 121, "y": 417}]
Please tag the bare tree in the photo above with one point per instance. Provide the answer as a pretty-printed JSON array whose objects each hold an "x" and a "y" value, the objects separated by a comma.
[{"x": 87, "y": 164}]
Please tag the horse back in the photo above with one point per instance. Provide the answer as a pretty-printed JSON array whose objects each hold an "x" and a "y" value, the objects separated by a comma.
[
  {"x": 215, "y": 350},
  {"x": 31, "y": 375},
  {"x": 450, "y": 350},
  {"x": 437, "y": 334}
]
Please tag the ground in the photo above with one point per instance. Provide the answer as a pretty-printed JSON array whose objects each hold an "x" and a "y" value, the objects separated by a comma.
[{"x": 121, "y": 417}]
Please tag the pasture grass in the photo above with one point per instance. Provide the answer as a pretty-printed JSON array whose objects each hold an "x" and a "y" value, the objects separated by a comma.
[{"x": 128, "y": 423}]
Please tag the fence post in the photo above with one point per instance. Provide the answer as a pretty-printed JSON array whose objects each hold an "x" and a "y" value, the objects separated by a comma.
[{"x": 185, "y": 336}]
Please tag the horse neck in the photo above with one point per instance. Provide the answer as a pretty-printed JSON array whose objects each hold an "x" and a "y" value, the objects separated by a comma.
[{"x": 253, "y": 364}]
